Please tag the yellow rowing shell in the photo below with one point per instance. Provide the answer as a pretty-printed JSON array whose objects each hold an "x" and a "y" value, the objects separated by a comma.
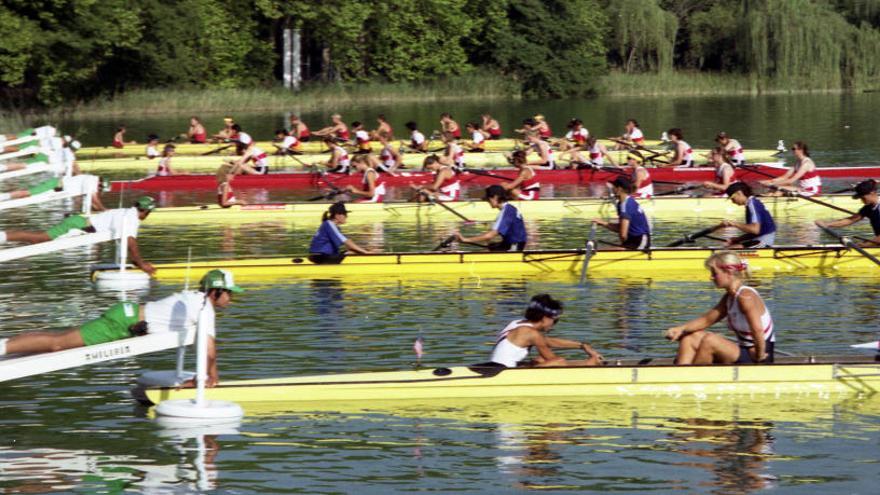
[
  {"x": 667, "y": 207},
  {"x": 665, "y": 263},
  {"x": 301, "y": 162},
  {"x": 625, "y": 380},
  {"x": 91, "y": 152}
]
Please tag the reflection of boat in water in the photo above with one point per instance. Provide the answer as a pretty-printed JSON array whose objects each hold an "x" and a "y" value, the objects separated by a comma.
[{"x": 802, "y": 376}]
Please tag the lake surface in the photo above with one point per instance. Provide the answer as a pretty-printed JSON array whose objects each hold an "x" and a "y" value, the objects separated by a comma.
[{"x": 79, "y": 431}]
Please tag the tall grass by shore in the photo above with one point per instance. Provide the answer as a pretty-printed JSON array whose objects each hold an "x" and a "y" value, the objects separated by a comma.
[{"x": 480, "y": 86}]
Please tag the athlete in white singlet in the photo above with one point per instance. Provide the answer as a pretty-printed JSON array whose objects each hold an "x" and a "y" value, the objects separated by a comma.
[
  {"x": 732, "y": 149},
  {"x": 446, "y": 186},
  {"x": 545, "y": 159},
  {"x": 641, "y": 179},
  {"x": 805, "y": 174},
  {"x": 747, "y": 316},
  {"x": 372, "y": 188},
  {"x": 724, "y": 172},
  {"x": 525, "y": 186},
  {"x": 683, "y": 154}
]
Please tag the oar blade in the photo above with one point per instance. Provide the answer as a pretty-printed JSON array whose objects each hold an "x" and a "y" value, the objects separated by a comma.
[{"x": 868, "y": 345}]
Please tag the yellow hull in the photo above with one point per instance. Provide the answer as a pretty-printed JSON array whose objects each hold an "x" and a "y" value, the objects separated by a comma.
[
  {"x": 668, "y": 207},
  {"x": 279, "y": 162},
  {"x": 606, "y": 381},
  {"x": 660, "y": 263},
  {"x": 135, "y": 150}
]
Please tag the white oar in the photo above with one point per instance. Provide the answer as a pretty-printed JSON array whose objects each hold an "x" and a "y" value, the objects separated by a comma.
[
  {"x": 589, "y": 251},
  {"x": 868, "y": 345}
]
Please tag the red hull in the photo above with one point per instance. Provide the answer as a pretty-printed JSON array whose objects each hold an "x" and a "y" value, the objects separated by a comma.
[{"x": 312, "y": 181}]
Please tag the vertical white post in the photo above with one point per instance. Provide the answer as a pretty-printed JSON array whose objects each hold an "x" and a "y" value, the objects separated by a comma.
[
  {"x": 201, "y": 360},
  {"x": 87, "y": 204},
  {"x": 286, "y": 58},
  {"x": 122, "y": 247},
  {"x": 296, "y": 59}
]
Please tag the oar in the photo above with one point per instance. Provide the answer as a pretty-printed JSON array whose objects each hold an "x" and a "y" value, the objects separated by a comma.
[
  {"x": 679, "y": 190},
  {"x": 589, "y": 250},
  {"x": 328, "y": 195},
  {"x": 218, "y": 149},
  {"x": 445, "y": 244},
  {"x": 811, "y": 199},
  {"x": 485, "y": 174},
  {"x": 846, "y": 241},
  {"x": 447, "y": 208},
  {"x": 754, "y": 169},
  {"x": 688, "y": 238}
]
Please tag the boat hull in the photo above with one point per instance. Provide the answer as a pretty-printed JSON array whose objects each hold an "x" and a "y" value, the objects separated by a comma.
[{"x": 856, "y": 377}]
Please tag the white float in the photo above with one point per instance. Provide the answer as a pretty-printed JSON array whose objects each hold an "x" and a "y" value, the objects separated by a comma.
[{"x": 121, "y": 279}]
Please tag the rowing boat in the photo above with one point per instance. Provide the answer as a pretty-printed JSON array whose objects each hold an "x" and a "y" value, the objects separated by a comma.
[
  {"x": 211, "y": 163},
  {"x": 789, "y": 376},
  {"x": 712, "y": 208},
  {"x": 308, "y": 147},
  {"x": 303, "y": 180},
  {"x": 660, "y": 263}
]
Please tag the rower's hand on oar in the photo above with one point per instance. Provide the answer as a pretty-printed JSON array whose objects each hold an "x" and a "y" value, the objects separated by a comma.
[
  {"x": 674, "y": 333},
  {"x": 820, "y": 223},
  {"x": 588, "y": 349},
  {"x": 148, "y": 269},
  {"x": 599, "y": 221}
]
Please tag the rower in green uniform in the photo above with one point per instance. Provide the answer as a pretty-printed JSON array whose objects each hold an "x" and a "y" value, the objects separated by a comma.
[
  {"x": 80, "y": 185},
  {"x": 114, "y": 221},
  {"x": 509, "y": 224},
  {"x": 179, "y": 312},
  {"x": 867, "y": 192}
]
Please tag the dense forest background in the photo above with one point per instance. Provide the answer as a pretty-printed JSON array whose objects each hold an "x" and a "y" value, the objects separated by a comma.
[{"x": 58, "y": 51}]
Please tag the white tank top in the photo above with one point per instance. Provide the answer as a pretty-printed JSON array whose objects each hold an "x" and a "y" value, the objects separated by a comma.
[
  {"x": 387, "y": 157},
  {"x": 739, "y": 323},
  {"x": 687, "y": 156},
  {"x": 378, "y": 191},
  {"x": 506, "y": 352}
]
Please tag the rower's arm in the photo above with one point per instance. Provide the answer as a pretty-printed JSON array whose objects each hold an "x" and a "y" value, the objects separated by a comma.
[
  {"x": 135, "y": 254},
  {"x": 97, "y": 205},
  {"x": 608, "y": 156},
  {"x": 350, "y": 244},
  {"x": 213, "y": 374},
  {"x": 782, "y": 180},
  {"x": 752, "y": 307},
  {"x": 486, "y": 236},
  {"x": 871, "y": 243},
  {"x": 843, "y": 222},
  {"x": 623, "y": 229},
  {"x": 515, "y": 182},
  {"x": 640, "y": 177},
  {"x": 701, "y": 322}
]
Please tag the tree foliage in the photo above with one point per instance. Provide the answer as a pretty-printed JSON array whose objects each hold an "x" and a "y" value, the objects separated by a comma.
[{"x": 56, "y": 51}]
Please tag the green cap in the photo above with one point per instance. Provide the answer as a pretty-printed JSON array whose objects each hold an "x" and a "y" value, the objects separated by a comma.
[
  {"x": 145, "y": 203},
  {"x": 219, "y": 279}
]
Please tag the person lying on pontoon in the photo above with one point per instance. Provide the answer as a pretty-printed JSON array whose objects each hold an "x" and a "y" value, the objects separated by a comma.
[
  {"x": 81, "y": 185},
  {"x": 178, "y": 312},
  {"x": 515, "y": 340},
  {"x": 116, "y": 220},
  {"x": 747, "y": 316}
]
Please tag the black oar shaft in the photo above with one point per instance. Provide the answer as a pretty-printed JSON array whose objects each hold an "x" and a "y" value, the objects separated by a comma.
[
  {"x": 692, "y": 237},
  {"x": 446, "y": 207},
  {"x": 850, "y": 244},
  {"x": 813, "y": 200}
]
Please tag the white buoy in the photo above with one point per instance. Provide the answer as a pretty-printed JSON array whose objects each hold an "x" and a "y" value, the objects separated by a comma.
[
  {"x": 120, "y": 279},
  {"x": 780, "y": 146},
  {"x": 200, "y": 408}
]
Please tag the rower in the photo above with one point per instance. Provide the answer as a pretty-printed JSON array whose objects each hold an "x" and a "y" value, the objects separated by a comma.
[
  {"x": 509, "y": 224},
  {"x": 759, "y": 228},
  {"x": 542, "y": 149},
  {"x": 227, "y": 132},
  {"x": 448, "y": 124},
  {"x": 632, "y": 225},
  {"x": 61, "y": 162},
  {"x": 373, "y": 190},
  {"x": 724, "y": 171},
  {"x": 747, "y": 316},
  {"x": 632, "y": 135},
  {"x": 225, "y": 195},
  {"x": 361, "y": 138},
  {"x": 491, "y": 126},
  {"x": 805, "y": 174},
  {"x": 152, "y": 147},
  {"x": 337, "y": 130},
  {"x": 179, "y": 312},
  {"x": 641, "y": 179},
  {"x": 383, "y": 126},
  {"x": 576, "y": 136},
  {"x": 339, "y": 162},
  {"x": 526, "y": 186},
  {"x": 683, "y": 154},
  {"x": 598, "y": 152},
  {"x": 81, "y": 185},
  {"x": 867, "y": 192},
  {"x": 453, "y": 155},
  {"x": 446, "y": 186},
  {"x": 196, "y": 134},
  {"x": 389, "y": 158},
  {"x": 290, "y": 144},
  {"x": 528, "y": 125},
  {"x": 478, "y": 138},
  {"x": 542, "y": 127},
  {"x": 119, "y": 138},
  {"x": 116, "y": 220},
  {"x": 324, "y": 249},
  {"x": 299, "y": 129},
  {"x": 519, "y": 336},
  {"x": 250, "y": 152},
  {"x": 417, "y": 141},
  {"x": 732, "y": 149}
]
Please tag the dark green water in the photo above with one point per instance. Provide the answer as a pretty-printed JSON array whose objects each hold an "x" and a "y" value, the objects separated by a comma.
[{"x": 79, "y": 431}]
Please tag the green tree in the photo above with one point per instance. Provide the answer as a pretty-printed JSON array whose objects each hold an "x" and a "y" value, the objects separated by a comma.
[{"x": 643, "y": 35}]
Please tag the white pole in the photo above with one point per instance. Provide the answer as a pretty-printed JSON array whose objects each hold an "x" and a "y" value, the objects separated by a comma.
[
  {"x": 296, "y": 59},
  {"x": 121, "y": 248},
  {"x": 201, "y": 360},
  {"x": 286, "y": 58}
]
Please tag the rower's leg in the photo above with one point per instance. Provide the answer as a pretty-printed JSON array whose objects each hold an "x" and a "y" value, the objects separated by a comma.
[
  {"x": 716, "y": 349},
  {"x": 687, "y": 347},
  {"x": 23, "y": 236},
  {"x": 35, "y": 342}
]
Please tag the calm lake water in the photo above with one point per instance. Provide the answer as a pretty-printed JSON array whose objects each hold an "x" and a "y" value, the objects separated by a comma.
[{"x": 79, "y": 431}]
